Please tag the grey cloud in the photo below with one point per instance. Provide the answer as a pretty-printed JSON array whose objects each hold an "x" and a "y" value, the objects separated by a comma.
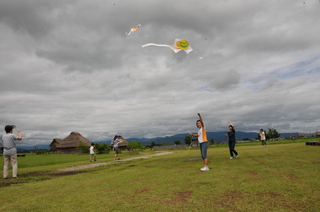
[{"x": 69, "y": 66}]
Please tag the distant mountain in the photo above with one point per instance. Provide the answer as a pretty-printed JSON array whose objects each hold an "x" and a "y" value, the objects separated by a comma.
[
  {"x": 217, "y": 136},
  {"x": 31, "y": 148}
]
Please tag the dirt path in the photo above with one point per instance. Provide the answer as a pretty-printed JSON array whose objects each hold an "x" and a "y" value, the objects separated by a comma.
[{"x": 92, "y": 165}]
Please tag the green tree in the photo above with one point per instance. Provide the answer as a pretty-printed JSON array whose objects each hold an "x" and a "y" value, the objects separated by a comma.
[
  {"x": 272, "y": 133},
  {"x": 211, "y": 141},
  {"x": 83, "y": 147},
  {"x": 153, "y": 144},
  {"x": 101, "y": 148},
  {"x": 135, "y": 145},
  {"x": 187, "y": 139},
  {"x": 176, "y": 142},
  {"x": 40, "y": 151}
]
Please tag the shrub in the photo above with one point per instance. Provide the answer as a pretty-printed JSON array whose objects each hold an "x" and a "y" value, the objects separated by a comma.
[
  {"x": 101, "y": 148},
  {"x": 41, "y": 152},
  {"x": 211, "y": 141},
  {"x": 176, "y": 142},
  {"x": 135, "y": 145},
  {"x": 84, "y": 147}
]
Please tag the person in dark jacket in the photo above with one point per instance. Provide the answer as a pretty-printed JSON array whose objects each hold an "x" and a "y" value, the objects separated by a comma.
[{"x": 232, "y": 140}]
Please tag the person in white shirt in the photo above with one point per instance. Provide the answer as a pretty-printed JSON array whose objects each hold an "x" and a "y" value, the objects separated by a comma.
[
  {"x": 92, "y": 153},
  {"x": 203, "y": 141},
  {"x": 263, "y": 137}
]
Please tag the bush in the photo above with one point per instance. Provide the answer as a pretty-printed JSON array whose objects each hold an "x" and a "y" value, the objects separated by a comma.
[
  {"x": 84, "y": 147},
  {"x": 211, "y": 141},
  {"x": 176, "y": 142},
  {"x": 135, "y": 145},
  {"x": 41, "y": 152},
  {"x": 187, "y": 139},
  {"x": 101, "y": 148}
]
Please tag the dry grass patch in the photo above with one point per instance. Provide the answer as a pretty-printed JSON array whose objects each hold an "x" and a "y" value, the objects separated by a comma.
[{"x": 180, "y": 197}]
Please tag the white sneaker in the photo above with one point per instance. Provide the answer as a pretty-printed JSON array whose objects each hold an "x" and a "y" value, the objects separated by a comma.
[
  {"x": 237, "y": 155},
  {"x": 204, "y": 169},
  {"x": 231, "y": 158}
]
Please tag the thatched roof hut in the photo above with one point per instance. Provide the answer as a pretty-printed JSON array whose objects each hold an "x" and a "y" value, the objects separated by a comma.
[{"x": 69, "y": 144}]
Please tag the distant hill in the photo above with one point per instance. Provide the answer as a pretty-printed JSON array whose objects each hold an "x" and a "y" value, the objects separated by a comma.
[
  {"x": 217, "y": 136},
  {"x": 31, "y": 148}
]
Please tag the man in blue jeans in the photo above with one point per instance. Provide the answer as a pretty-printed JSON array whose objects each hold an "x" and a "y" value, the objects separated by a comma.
[{"x": 203, "y": 141}]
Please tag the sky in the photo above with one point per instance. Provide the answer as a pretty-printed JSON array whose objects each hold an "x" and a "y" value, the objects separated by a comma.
[{"x": 69, "y": 66}]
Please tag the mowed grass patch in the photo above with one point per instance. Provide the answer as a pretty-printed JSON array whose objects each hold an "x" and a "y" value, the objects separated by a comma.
[
  {"x": 281, "y": 177},
  {"x": 255, "y": 143},
  {"x": 36, "y": 167}
]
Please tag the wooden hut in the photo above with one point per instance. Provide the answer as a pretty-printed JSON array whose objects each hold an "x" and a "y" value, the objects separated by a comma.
[{"x": 69, "y": 144}]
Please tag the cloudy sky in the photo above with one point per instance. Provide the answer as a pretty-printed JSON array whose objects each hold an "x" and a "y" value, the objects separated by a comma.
[{"x": 69, "y": 66}]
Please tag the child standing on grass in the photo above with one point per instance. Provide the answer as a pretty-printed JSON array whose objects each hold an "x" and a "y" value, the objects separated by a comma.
[
  {"x": 92, "y": 153},
  {"x": 263, "y": 137},
  {"x": 10, "y": 151},
  {"x": 232, "y": 140},
  {"x": 203, "y": 141}
]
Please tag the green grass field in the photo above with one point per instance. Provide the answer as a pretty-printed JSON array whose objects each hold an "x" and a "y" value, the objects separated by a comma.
[{"x": 280, "y": 177}]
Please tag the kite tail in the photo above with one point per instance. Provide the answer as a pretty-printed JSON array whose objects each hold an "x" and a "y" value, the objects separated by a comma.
[{"x": 154, "y": 44}]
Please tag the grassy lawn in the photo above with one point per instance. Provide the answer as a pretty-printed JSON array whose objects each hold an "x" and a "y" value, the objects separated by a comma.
[
  {"x": 33, "y": 166},
  {"x": 281, "y": 177}
]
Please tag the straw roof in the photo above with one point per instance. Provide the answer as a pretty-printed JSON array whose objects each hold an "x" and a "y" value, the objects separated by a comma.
[
  {"x": 123, "y": 143},
  {"x": 72, "y": 140}
]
